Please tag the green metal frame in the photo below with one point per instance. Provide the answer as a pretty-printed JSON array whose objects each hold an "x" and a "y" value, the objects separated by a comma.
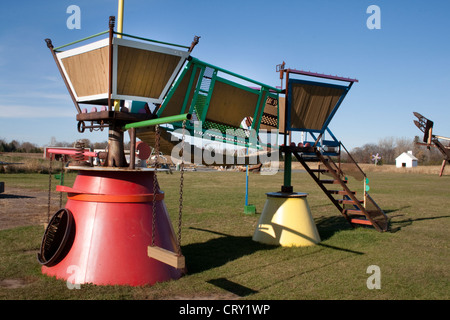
[
  {"x": 192, "y": 107},
  {"x": 57, "y": 49}
]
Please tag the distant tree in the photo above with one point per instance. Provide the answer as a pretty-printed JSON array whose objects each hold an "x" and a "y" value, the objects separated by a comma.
[
  {"x": 390, "y": 148},
  {"x": 386, "y": 147},
  {"x": 100, "y": 145},
  {"x": 28, "y": 147},
  {"x": 404, "y": 145},
  {"x": 59, "y": 144},
  {"x": 86, "y": 142}
]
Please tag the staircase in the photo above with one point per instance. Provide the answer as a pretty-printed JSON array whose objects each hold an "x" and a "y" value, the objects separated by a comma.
[{"x": 332, "y": 179}]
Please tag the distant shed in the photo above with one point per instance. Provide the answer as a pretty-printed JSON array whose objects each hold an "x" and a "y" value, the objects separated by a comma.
[{"x": 406, "y": 160}]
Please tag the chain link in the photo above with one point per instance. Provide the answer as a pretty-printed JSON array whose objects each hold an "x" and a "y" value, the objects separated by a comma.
[
  {"x": 155, "y": 183},
  {"x": 156, "y": 187},
  {"x": 180, "y": 210},
  {"x": 61, "y": 181},
  {"x": 49, "y": 188}
]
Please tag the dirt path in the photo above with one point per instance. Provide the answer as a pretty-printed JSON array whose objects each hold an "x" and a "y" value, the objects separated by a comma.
[{"x": 23, "y": 207}]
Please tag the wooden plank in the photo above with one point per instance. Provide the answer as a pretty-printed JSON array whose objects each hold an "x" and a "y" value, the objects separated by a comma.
[
  {"x": 344, "y": 201},
  {"x": 333, "y": 181},
  {"x": 88, "y": 72},
  {"x": 230, "y": 105},
  {"x": 353, "y": 212},
  {"x": 166, "y": 256},
  {"x": 113, "y": 116},
  {"x": 361, "y": 221},
  {"x": 175, "y": 103},
  {"x": 144, "y": 73},
  {"x": 311, "y": 105},
  {"x": 342, "y": 192}
]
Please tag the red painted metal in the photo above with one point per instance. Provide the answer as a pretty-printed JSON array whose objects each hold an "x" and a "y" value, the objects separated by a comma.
[
  {"x": 98, "y": 197},
  {"x": 68, "y": 151},
  {"x": 320, "y": 75},
  {"x": 143, "y": 149},
  {"x": 111, "y": 238}
]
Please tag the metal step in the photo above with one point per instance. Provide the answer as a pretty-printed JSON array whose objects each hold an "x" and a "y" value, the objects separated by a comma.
[
  {"x": 361, "y": 221},
  {"x": 348, "y": 201},
  {"x": 341, "y": 192},
  {"x": 353, "y": 212},
  {"x": 333, "y": 181}
]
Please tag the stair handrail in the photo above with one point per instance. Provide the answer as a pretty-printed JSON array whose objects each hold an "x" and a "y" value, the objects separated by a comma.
[
  {"x": 348, "y": 153},
  {"x": 353, "y": 160}
]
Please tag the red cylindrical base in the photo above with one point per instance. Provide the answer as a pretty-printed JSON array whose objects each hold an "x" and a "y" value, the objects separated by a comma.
[{"x": 111, "y": 238}]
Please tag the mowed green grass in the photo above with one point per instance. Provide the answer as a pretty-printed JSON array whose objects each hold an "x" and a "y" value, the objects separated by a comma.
[{"x": 225, "y": 263}]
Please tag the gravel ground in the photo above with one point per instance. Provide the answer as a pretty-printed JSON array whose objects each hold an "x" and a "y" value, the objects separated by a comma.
[{"x": 23, "y": 207}]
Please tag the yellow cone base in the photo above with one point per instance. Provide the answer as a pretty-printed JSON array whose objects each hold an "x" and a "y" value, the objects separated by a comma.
[{"x": 286, "y": 220}]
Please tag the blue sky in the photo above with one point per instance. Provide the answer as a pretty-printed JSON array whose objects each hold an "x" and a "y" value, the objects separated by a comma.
[{"x": 401, "y": 68}]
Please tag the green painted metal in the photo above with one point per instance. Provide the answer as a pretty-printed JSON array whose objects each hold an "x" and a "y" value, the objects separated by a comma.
[
  {"x": 237, "y": 85},
  {"x": 249, "y": 209},
  {"x": 122, "y": 34},
  {"x": 208, "y": 98},
  {"x": 191, "y": 83},
  {"x": 202, "y": 95},
  {"x": 196, "y": 93},
  {"x": 195, "y": 60},
  {"x": 287, "y": 169},
  {"x": 154, "y": 122},
  {"x": 151, "y": 40},
  {"x": 81, "y": 40},
  {"x": 171, "y": 92}
]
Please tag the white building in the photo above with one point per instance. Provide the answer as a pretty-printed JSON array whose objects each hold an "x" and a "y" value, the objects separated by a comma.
[{"x": 406, "y": 160}]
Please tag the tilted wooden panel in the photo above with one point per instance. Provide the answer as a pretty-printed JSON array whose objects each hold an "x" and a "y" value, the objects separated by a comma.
[
  {"x": 167, "y": 257},
  {"x": 269, "y": 118},
  {"x": 230, "y": 105},
  {"x": 88, "y": 72},
  {"x": 166, "y": 142},
  {"x": 143, "y": 73},
  {"x": 281, "y": 113},
  {"x": 311, "y": 105},
  {"x": 175, "y": 103}
]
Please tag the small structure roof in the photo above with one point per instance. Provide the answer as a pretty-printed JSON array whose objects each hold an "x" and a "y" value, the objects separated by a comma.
[{"x": 407, "y": 154}]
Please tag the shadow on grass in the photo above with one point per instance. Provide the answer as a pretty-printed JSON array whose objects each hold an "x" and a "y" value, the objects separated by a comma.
[
  {"x": 218, "y": 251},
  {"x": 398, "y": 225},
  {"x": 328, "y": 226},
  {"x": 395, "y": 226},
  {"x": 233, "y": 287},
  {"x": 14, "y": 196}
]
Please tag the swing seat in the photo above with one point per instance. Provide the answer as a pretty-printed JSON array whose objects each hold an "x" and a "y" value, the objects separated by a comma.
[{"x": 166, "y": 256}]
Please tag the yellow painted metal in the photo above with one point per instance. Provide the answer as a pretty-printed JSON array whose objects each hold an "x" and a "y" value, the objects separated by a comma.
[
  {"x": 120, "y": 18},
  {"x": 286, "y": 220},
  {"x": 116, "y": 105},
  {"x": 120, "y": 30}
]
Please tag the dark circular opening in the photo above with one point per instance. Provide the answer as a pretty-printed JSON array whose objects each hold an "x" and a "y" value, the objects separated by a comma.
[{"x": 58, "y": 238}]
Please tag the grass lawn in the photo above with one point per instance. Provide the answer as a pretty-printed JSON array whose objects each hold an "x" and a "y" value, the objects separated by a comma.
[{"x": 224, "y": 263}]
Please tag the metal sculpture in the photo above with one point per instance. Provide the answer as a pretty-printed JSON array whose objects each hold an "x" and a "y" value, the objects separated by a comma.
[
  {"x": 431, "y": 140},
  {"x": 141, "y": 85}
]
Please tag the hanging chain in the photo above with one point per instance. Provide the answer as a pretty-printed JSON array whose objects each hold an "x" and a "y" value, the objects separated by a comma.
[
  {"x": 49, "y": 188},
  {"x": 155, "y": 183},
  {"x": 180, "y": 211},
  {"x": 61, "y": 180}
]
